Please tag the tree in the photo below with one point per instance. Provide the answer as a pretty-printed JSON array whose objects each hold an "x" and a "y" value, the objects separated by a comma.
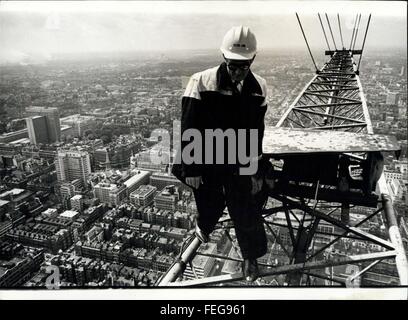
[
  {"x": 106, "y": 139},
  {"x": 88, "y": 132}
]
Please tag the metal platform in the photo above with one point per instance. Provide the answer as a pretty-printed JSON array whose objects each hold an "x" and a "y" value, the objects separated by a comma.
[{"x": 287, "y": 141}]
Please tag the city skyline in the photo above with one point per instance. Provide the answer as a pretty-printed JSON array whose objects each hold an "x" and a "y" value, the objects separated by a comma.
[
  {"x": 41, "y": 30},
  {"x": 83, "y": 203},
  {"x": 120, "y": 103}
]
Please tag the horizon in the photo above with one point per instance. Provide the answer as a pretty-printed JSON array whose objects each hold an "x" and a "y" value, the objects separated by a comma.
[
  {"x": 169, "y": 55},
  {"x": 42, "y": 30}
]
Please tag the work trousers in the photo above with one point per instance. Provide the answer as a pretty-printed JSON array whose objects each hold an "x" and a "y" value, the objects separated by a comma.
[{"x": 226, "y": 187}]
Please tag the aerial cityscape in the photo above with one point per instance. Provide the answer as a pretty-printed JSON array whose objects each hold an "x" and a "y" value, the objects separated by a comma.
[
  {"x": 85, "y": 203},
  {"x": 78, "y": 188}
]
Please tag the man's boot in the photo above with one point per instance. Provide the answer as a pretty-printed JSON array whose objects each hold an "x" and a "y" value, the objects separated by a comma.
[
  {"x": 250, "y": 269},
  {"x": 201, "y": 235}
]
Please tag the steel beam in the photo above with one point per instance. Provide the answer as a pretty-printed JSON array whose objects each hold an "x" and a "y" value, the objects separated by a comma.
[
  {"x": 288, "y": 269},
  {"x": 178, "y": 268},
  {"x": 342, "y": 126},
  {"x": 327, "y": 115},
  {"x": 335, "y": 97},
  {"x": 345, "y": 106},
  {"x": 337, "y": 223},
  {"x": 395, "y": 237},
  {"x": 331, "y": 90},
  {"x": 369, "y": 267}
]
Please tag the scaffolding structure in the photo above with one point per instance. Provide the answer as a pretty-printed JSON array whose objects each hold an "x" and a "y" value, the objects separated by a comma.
[{"x": 332, "y": 101}]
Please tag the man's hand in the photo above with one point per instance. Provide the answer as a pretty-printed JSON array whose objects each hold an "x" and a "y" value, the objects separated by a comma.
[{"x": 194, "y": 181}]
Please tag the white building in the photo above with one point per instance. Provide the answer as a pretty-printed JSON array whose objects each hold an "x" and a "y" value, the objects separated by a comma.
[
  {"x": 395, "y": 189},
  {"x": 77, "y": 203},
  {"x": 70, "y": 214},
  {"x": 138, "y": 178},
  {"x": 392, "y": 98},
  {"x": 50, "y": 213},
  {"x": 79, "y": 123},
  {"x": 202, "y": 264},
  {"x": 143, "y": 196},
  {"x": 73, "y": 164},
  {"x": 110, "y": 193}
]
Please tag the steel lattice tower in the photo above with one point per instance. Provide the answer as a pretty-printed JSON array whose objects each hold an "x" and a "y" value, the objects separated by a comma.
[{"x": 332, "y": 101}]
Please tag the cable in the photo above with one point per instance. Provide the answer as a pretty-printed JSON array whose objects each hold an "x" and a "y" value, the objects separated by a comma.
[
  {"x": 300, "y": 24},
  {"x": 312, "y": 226},
  {"x": 331, "y": 32},
  {"x": 365, "y": 36},
  {"x": 341, "y": 35},
  {"x": 354, "y": 29},
  {"x": 358, "y": 25},
  {"x": 324, "y": 32}
]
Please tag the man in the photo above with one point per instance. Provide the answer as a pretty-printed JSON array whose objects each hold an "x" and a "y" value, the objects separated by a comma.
[{"x": 227, "y": 97}]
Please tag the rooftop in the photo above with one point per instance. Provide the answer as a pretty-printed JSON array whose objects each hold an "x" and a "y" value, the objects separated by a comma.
[
  {"x": 69, "y": 214},
  {"x": 13, "y": 133},
  {"x": 76, "y": 118},
  {"x": 140, "y": 174},
  {"x": 143, "y": 190},
  {"x": 14, "y": 192},
  {"x": 200, "y": 261},
  {"x": 50, "y": 210},
  {"x": 22, "y": 140},
  {"x": 4, "y": 203},
  {"x": 107, "y": 185}
]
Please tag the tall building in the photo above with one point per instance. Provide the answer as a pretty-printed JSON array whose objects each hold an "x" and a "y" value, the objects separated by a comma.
[
  {"x": 37, "y": 129},
  {"x": 392, "y": 98},
  {"x": 52, "y": 119},
  {"x": 73, "y": 164},
  {"x": 77, "y": 203}
]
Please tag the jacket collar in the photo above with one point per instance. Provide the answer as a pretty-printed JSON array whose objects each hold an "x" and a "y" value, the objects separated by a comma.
[{"x": 224, "y": 82}]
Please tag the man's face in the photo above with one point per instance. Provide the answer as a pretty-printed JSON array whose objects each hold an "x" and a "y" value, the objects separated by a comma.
[{"x": 238, "y": 69}]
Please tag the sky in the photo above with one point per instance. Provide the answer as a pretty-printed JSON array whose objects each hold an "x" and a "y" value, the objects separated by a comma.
[{"x": 43, "y": 29}]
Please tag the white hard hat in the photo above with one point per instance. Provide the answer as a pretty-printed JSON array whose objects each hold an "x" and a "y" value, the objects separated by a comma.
[{"x": 239, "y": 43}]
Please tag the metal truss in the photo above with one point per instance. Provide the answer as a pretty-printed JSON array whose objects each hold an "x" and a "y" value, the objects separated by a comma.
[
  {"x": 302, "y": 261},
  {"x": 332, "y": 100}
]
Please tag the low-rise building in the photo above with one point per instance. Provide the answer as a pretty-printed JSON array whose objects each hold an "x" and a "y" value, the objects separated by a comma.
[{"x": 143, "y": 196}]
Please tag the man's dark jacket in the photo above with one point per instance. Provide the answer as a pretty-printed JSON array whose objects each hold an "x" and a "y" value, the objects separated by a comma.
[{"x": 211, "y": 101}]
